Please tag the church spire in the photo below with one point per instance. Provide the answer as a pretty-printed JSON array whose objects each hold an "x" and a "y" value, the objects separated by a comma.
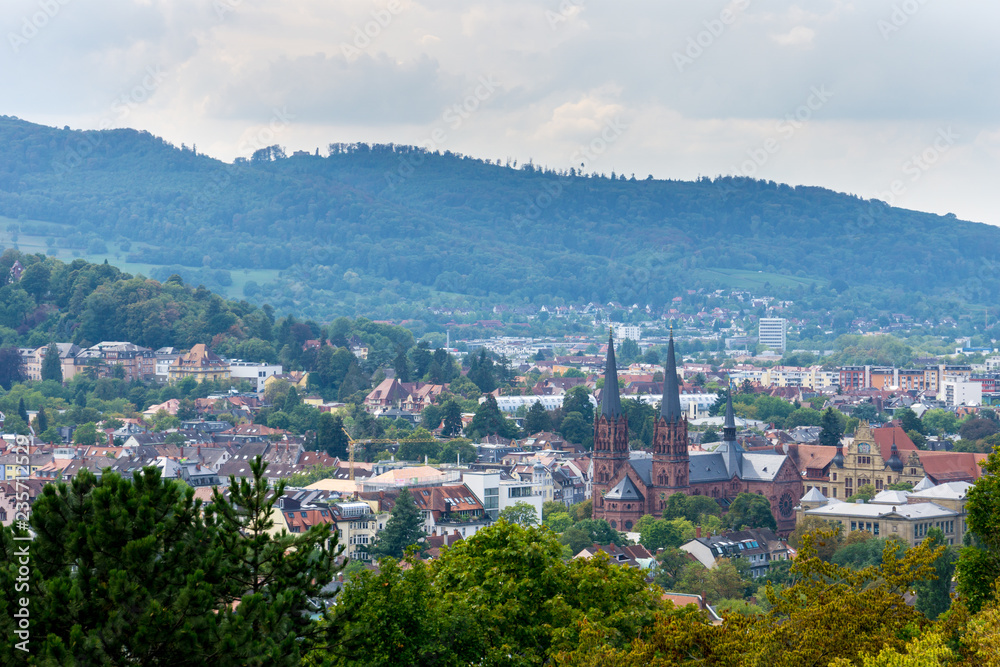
[
  {"x": 670, "y": 407},
  {"x": 729, "y": 425},
  {"x": 611, "y": 404}
]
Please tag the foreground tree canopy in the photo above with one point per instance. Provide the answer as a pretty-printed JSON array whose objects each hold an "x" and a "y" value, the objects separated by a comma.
[{"x": 137, "y": 572}]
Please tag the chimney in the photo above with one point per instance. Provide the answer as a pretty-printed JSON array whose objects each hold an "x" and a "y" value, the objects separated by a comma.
[{"x": 697, "y": 532}]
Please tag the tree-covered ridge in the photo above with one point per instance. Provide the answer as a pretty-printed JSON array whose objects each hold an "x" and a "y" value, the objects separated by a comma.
[{"x": 370, "y": 227}]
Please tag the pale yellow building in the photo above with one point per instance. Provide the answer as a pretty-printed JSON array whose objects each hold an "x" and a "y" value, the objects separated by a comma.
[{"x": 201, "y": 364}]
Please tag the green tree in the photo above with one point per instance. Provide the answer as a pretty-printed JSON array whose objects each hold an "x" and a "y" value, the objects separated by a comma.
[
  {"x": 934, "y": 592},
  {"x": 156, "y": 579},
  {"x": 51, "y": 365},
  {"x": 41, "y": 421},
  {"x": 600, "y": 531},
  {"x": 280, "y": 579},
  {"x": 576, "y": 429},
  {"x": 979, "y": 560},
  {"x": 431, "y": 416},
  {"x": 22, "y": 411},
  {"x": 909, "y": 420},
  {"x": 452, "y": 425},
  {"x": 577, "y": 399},
  {"x": 751, "y": 510},
  {"x": 558, "y": 522},
  {"x": 833, "y": 428},
  {"x": 865, "y": 492},
  {"x": 458, "y": 449},
  {"x": 537, "y": 419},
  {"x": 804, "y": 417},
  {"x": 521, "y": 513},
  {"x": 330, "y": 436},
  {"x": 864, "y": 412},
  {"x": 628, "y": 351},
  {"x": 662, "y": 533},
  {"x": 939, "y": 421},
  {"x": 85, "y": 434},
  {"x": 403, "y": 529},
  {"x": 710, "y": 436},
  {"x": 550, "y": 507},
  {"x": 490, "y": 421},
  {"x": 978, "y": 428}
]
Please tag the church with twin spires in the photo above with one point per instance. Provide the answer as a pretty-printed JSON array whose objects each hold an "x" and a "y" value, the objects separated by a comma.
[{"x": 627, "y": 485}]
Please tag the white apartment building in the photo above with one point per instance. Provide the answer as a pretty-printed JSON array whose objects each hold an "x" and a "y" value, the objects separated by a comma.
[
  {"x": 254, "y": 372},
  {"x": 771, "y": 332},
  {"x": 623, "y": 331}
]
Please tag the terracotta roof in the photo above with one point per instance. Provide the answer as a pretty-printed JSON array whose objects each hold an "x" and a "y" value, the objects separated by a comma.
[
  {"x": 884, "y": 437},
  {"x": 811, "y": 456},
  {"x": 943, "y": 467}
]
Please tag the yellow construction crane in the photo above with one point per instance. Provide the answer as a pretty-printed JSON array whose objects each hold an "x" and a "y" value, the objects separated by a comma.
[{"x": 352, "y": 442}]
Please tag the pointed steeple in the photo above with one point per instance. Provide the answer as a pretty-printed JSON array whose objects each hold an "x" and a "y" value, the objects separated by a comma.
[
  {"x": 729, "y": 426},
  {"x": 670, "y": 407},
  {"x": 894, "y": 463},
  {"x": 611, "y": 404}
]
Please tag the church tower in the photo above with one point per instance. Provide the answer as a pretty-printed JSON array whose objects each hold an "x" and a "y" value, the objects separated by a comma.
[
  {"x": 611, "y": 450},
  {"x": 670, "y": 437}
]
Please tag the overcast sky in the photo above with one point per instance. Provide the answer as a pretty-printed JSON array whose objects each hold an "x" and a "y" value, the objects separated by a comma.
[{"x": 894, "y": 99}]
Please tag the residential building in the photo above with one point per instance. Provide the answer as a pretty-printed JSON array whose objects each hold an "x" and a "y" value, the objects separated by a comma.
[
  {"x": 771, "y": 332},
  {"x": 201, "y": 364},
  {"x": 357, "y": 525},
  {"x": 449, "y": 508},
  {"x": 630, "y": 331},
  {"x": 33, "y": 360},
  {"x": 485, "y": 484},
  {"x": 137, "y": 362},
  {"x": 257, "y": 374},
  {"x": 759, "y": 547},
  {"x": 633, "y": 555}
]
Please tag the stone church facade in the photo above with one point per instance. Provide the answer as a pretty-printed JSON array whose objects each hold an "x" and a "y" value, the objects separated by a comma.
[{"x": 628, "y": 485}]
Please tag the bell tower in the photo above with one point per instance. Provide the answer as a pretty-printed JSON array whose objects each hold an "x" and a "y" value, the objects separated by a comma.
[
  {"x": 611, "y": 450},
  {"x": 670, "y": 436}
]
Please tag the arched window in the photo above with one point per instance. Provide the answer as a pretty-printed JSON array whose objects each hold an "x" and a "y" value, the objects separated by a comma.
[
  {"x": 613, "y": 524},
  {"x": 628, "y": 525}
]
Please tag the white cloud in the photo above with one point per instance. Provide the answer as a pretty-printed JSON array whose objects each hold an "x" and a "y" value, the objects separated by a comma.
[{"x": 565, "y": 68}]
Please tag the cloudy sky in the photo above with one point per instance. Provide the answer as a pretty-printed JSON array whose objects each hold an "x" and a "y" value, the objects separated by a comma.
[{"x": 894, "y": 99}]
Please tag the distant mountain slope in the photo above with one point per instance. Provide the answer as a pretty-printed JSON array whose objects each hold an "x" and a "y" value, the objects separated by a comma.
[{"x": 370, "y": 229}]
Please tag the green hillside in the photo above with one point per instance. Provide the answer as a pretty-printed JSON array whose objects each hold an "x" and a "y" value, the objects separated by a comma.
[{"x": 386, "y": 231}]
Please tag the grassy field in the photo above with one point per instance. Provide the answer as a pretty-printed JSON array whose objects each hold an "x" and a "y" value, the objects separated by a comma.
[
  {"x": 754, "y": 280},
  {"x": 28, "y": 243}
]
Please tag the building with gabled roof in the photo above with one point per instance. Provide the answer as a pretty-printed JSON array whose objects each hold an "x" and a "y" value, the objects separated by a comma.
[
  {"x": 201, "y": 364},
  {"x": 449, "y": 508}
]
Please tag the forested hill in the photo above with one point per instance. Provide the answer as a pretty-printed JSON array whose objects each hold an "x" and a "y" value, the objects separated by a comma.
[{"x": 388, "y": 230}]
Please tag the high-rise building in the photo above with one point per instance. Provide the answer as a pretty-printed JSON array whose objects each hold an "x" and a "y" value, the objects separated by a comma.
[{"x": 772, "y": 332}]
